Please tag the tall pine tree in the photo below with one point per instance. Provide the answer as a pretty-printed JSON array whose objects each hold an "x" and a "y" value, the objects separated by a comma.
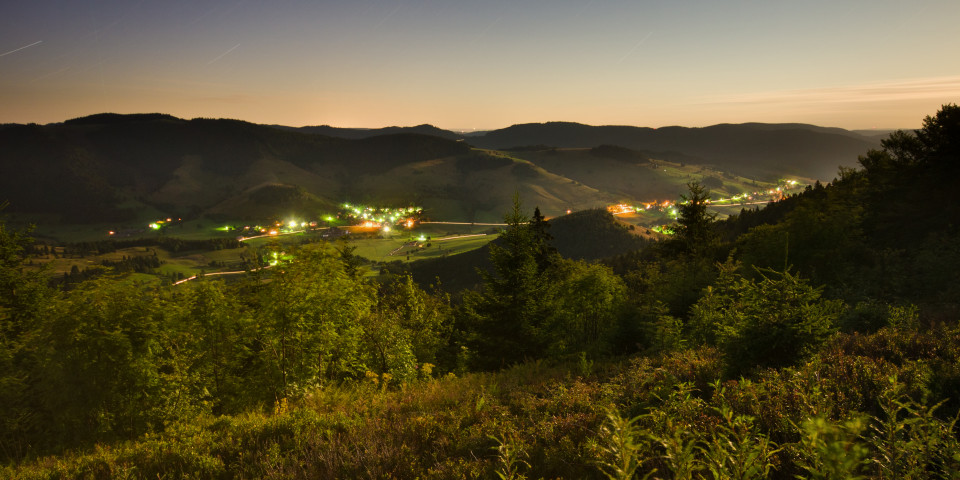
[{"x": 508, "y": 316}]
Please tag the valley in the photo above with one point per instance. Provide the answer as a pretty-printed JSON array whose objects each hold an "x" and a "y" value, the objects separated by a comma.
[
  {"x": 378, "y": 235},
  {"x": 410, "y": 196}
]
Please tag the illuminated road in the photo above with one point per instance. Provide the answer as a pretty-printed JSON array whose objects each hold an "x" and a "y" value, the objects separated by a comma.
[
  {"x": 467, "y": 223},
  {"x": 710, "y": 205},
  {"x": 278, "y": 234},
  {"x": 460, "y": 236},
  {"x": 739, "y": 204},
  {"x": 178, "y": 282}
]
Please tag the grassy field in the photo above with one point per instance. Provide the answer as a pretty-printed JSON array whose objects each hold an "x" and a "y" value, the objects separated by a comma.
[
  {"x": 397, "y": 248},
  {"x": 376, "y": 245},
  {"x": 425, "y": 241},
  {"x": 188, "y": 263}
]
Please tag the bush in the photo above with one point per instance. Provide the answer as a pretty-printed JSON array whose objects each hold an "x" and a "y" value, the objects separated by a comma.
[{"x": 775, "y": 321}]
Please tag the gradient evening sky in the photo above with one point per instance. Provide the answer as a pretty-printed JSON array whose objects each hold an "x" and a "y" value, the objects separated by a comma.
[{"x": 483, "y": 64}]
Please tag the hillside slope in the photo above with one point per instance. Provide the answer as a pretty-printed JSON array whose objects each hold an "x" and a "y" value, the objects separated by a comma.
[
  {"x": 115, "y": 168},
  {"x": 585, "y": 235},
  {"x": 752, "y": 148},
  {"x": 86, "y": 168}
]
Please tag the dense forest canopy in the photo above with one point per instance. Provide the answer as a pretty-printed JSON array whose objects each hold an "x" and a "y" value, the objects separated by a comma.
[{"x": 815, "y": 337}]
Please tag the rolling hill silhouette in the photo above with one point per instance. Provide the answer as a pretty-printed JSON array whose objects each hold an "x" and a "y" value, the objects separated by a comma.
[
  {"x": 113, "y": 167},
  {"x": 87, "y": 168},
  {"x": 753, "y": 149}
]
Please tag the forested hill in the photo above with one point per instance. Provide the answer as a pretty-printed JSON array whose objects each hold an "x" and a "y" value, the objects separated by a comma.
[
  {"x": 356, "y": 133},
  {"x": 84, "y": 168},
  {"x": 585, "y": 235},
  {"x": 750, "y": 148},
  {"x": 117, "y": 168}
]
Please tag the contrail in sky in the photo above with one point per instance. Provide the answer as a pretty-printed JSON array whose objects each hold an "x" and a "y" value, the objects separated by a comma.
[
  {"x": 635, "y": 47},
  {"x": 21, "y": 48},
  {"x": 485, "y": 30},
  {"x": 387, "y": 17},
  {"x": 223, "y": 54}
]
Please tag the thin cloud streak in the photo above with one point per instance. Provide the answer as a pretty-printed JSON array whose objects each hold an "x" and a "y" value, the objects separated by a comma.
[
  {"x": 635, "y": 47},
  {"x": 485, "y": 30},
  {"x": 224, "y": 54},
  {"x": 21, "y": 48},
  {"x": 388, "y": 17},
  {"x": 179, "y": 83},
  {"x": 235, "y": 99},
  {"x": 906, "y": 90},
  {"x": 53, "y": 73}
]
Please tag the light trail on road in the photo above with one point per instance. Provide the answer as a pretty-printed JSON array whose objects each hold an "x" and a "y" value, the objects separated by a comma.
[
  {"x": 460, "y": 236},
  {"x": 738, "y": 204},
  {"x": 244, "y": 239},
  {"x": 467, "y": 223},
  {"x": 185, "y": 280}
]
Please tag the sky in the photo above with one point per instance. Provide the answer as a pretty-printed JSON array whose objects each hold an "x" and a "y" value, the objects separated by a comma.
[{"x": 483, "y": 64}]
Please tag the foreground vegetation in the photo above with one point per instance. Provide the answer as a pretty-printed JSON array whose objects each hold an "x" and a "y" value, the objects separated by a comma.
[
  {"x": 815, "y": 338},
  {"x": 850, "y": 411}
]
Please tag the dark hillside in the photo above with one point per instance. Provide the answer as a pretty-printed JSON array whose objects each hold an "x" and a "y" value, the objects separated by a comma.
[
  {"x": 882, "y": 232},
  {"x": 389, "y": 151},
  {"x": 83, "y": 168},
  {"x": 593, "y": 235},
  {"x": 746, "y": 148},
  {"x": 120, "y": 118},
  {"x": 584, "y": 235},
  {"x": 455, "y": 273},
  {"x": 358, "y": 133},
  {"x": 41, "y": 172},
  {"x": 626, "y": 173},
  {"x": 619, "y": 153}
]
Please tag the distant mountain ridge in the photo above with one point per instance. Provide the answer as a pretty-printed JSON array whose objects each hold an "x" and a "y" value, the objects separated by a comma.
[
  {"x": 749, "y": 148},
  {"x": 85, "y": 168},
  {"x": 104, "y": 167},
  {"x": 762, "y": 149},
  {"x": 360, "y": 133},
  {"x": 117, "y": 168}
]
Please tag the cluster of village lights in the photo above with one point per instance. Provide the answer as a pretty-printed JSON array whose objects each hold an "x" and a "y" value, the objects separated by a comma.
[
  {"x": 157, "y": 225},
  {"x": 382, "y": 217},
  {"x": 161, "y": 223},
  {"x": 367, "y": 217},
  {"x": 670, "y": 207}
]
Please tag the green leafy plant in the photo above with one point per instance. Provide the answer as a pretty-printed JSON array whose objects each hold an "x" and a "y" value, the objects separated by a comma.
[
  {"x": 620, "y": 441},
  {"x": 832, "y": 450},
  {"x": 771, "y": 322},
  {"x": 736, "y": 450},
  {"x": 910, "y": 441},
  {"x": 511, "y": 457}
]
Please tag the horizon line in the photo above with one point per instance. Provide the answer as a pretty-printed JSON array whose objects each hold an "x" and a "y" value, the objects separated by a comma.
[{"x": 463, "y": 130}]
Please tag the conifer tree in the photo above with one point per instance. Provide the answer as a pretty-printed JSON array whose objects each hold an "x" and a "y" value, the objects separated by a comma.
[
  {"x": 508, "y": 316},
  {"x": 694, "y": 230}
]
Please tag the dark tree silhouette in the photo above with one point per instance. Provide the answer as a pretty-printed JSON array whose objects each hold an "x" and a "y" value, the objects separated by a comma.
[{"x": 694, "y": 231}]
